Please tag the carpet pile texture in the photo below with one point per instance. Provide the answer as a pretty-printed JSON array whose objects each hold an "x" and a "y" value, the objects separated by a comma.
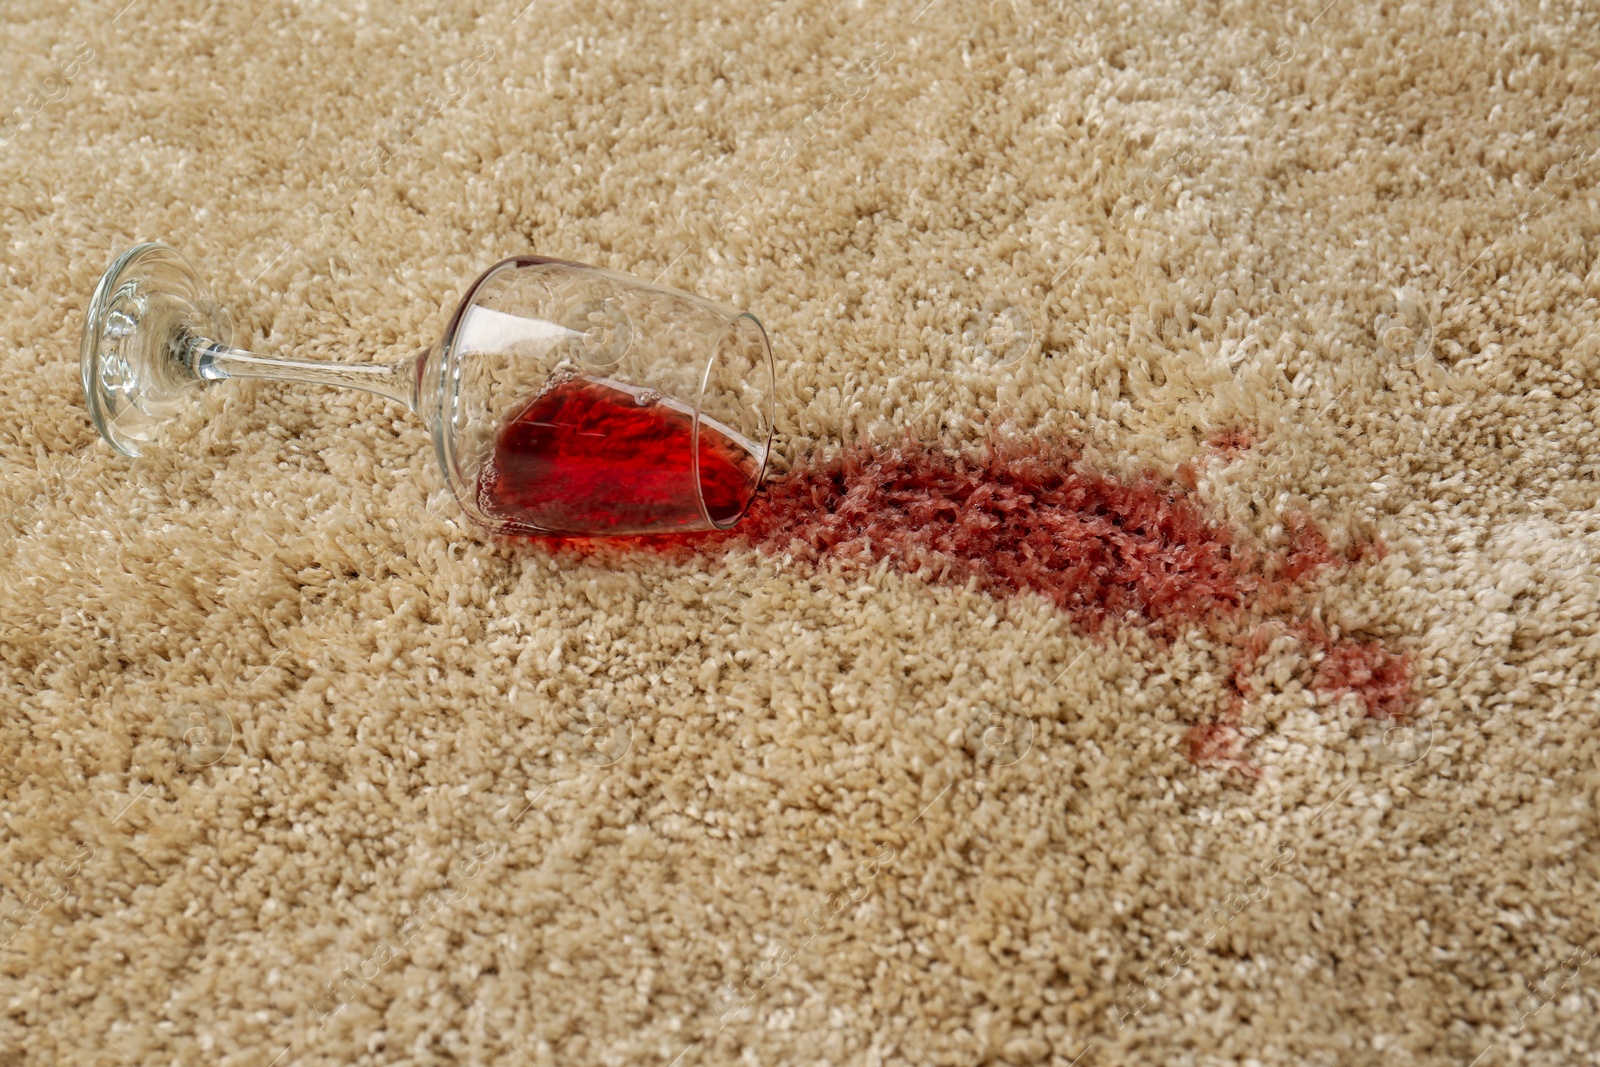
[{"x": 1275, "y": 326}]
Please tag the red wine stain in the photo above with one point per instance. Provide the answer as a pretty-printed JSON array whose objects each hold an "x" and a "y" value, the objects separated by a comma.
[
  {"x": 1016, "y": 520},
  {"x": 1379, "y": 679},
  {"x": 586, "y": 456},
  {"x": 1109, "y": 551},
  {"x": 1219, "y": 746},
  {"x": 1366, "y": 670},
  {"x": 1232, "y": 440},
  {"x": 1308, "y": 554}
]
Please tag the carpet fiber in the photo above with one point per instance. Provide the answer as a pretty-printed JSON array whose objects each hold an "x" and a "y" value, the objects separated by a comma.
[{"x": 1170, "y": 636}]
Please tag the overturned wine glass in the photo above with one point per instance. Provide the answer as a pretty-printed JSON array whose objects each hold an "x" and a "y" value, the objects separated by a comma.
[{"x": 564, "y": 399}]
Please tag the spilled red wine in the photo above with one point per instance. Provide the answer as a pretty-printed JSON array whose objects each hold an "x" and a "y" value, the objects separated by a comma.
[{"x": 587, "y": 456}]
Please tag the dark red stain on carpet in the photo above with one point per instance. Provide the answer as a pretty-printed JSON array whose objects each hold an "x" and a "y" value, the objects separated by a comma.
[
  {"x": 1101, "y": 549},
  {"x": 1108, "y": 551}
]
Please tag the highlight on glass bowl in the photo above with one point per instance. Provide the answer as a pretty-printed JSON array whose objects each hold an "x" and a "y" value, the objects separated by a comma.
[{"x": 564, "y": 399}]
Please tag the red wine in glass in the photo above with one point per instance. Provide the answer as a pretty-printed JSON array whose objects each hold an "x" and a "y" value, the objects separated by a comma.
[
  {"x": 563, "y": 399},
  {"x": 591, "y": 456}
]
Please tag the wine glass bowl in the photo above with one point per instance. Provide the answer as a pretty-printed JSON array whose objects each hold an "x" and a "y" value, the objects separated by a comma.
[
  {"x": 578, "y": 400},
  {"x": 563, "y": 399}
]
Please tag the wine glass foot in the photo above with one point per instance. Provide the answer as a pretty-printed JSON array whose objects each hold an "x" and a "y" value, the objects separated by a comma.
[{"x": 144, "y": 316}]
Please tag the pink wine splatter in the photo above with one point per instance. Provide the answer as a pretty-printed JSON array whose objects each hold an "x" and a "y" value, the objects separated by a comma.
[
  {"x": 1231, "y": 440},
  {"x": 1220, "y": 746},
  {"x": 1108, "y": 551},
  {"x": 1378, "y": 679}
]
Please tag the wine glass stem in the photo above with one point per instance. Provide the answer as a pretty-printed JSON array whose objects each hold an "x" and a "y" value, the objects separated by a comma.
[{"x": 396, "y": 380}]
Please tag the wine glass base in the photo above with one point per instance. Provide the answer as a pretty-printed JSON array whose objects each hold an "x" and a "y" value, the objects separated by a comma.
[{"x": 149, "y": 306}]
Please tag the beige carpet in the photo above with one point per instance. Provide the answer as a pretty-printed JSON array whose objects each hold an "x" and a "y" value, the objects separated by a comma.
[{"x": 389, "y": 835}]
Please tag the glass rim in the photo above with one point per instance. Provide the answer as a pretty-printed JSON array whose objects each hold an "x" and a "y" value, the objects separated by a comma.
[{"x": 766, "y": 418}]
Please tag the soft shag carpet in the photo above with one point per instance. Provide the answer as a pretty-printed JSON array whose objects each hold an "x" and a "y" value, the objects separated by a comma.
[{"x": 1169, "y": 638}]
